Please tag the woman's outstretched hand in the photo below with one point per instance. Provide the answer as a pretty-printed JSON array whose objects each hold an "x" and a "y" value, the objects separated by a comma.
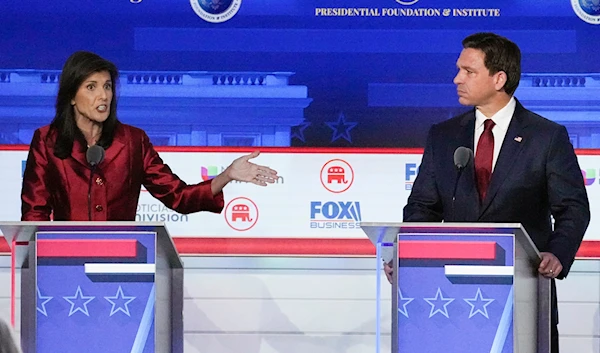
[{"x": 243, "y": 170}]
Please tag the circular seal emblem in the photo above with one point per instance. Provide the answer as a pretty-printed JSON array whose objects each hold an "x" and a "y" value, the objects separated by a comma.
[
  {"x": 241, "y": 214},
  {"x": 337, "y": 176},
  {"x": 407, "y": 2},
  {"x": 587, "y": 10},
  {"x": 216, "y": 11}
]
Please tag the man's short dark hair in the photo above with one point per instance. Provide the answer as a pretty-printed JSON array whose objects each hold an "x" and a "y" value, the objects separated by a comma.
[{"x": 500, "y": 55}]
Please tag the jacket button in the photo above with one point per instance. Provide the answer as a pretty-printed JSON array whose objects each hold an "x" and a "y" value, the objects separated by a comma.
[
  {"x": 99, "y": 208},
  {"x": 99, "y": 181}
]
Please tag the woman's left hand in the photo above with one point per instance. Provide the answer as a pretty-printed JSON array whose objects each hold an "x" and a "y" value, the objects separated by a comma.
[{"x": 243, "y": 170}]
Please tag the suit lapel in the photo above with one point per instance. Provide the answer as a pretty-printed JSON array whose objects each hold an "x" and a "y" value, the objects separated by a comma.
[
  {"x": 509, "y": 152},
  {"x": 467, "y": 184},
  {"x": 467, "y": 131},
  {"x": 112, "y": 152},
  {"x": 78, "y": 153}
]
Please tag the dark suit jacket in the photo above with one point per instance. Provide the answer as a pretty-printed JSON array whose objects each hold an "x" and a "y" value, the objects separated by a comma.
[
  {"x": 60, "y": 186},
  {"x": 532, "y": 180}
]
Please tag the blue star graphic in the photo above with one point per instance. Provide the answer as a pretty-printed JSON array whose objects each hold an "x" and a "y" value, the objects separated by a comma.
[
  {"x": 122, "y": 299},
  {"x": 403, "y": 301},
  {"x": 298, "y": 131},
  {"x": 341, "y": 128},
  {"x": 41, "y": 301},
  {"x": 79, "y": 302},
  {"x": 477, "y": 302},
  {"x": 440, "y": 301}
]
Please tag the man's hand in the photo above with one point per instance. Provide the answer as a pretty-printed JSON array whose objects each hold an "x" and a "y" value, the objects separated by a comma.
[
  {"x": 388, "y": 271},
  {"x": 550, "y": 266}
]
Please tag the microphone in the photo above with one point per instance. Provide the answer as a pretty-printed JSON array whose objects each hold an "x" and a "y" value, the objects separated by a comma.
[
  {"x": 94, "y": 156},
  {"x": 462, "y": 157}
]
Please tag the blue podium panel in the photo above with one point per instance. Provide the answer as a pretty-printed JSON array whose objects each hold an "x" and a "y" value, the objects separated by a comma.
[
  {"x": 95, "y": 292},
  {"x": 455, "y": 292}
]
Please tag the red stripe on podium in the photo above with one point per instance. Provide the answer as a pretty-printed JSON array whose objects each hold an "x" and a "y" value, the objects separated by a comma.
[
  {"x": 590, "y": 249},
  {"x": 124, "y": 248},
  {"x": 334, "y": 247},
  {"x": 275, "y": 246},
  {"x": 455, "y": 250}
]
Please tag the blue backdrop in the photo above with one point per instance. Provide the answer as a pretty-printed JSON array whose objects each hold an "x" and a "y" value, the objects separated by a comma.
[{"x": 324, "y": 73}]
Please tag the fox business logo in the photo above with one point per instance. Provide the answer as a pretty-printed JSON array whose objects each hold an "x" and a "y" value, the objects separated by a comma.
[
  {"x": 335, "y": 214},
  {"x": 410, "y": 174}
]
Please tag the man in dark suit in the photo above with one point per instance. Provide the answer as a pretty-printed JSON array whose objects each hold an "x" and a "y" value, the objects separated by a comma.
[{"x": 525, "y": 170}]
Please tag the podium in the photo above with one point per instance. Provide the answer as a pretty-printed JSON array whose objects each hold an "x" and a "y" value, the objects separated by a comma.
[
  {"x": 97, "y": 287},
  {"x": 463, "y": 287}
]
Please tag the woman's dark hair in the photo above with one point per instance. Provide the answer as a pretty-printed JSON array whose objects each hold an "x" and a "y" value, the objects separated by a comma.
[
  {"x": 79, "y": 66},
  {"x": 500, "y": 55}
]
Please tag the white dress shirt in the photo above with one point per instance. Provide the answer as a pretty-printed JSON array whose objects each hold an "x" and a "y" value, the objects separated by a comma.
[{"x": 502, "y": 120}]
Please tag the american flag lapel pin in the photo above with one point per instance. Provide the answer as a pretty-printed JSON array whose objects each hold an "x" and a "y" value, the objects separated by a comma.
[{"x": 518, "y": 139}]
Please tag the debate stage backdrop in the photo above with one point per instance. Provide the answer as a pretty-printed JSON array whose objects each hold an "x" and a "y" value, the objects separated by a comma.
[
  {"x": 328, "y": 73},
  {"x": 340, "y": 95},
  {"x": 291, "y": 73}
]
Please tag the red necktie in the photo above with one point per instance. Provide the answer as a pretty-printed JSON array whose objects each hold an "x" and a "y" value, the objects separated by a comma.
[{"x": 484, "y": 158}]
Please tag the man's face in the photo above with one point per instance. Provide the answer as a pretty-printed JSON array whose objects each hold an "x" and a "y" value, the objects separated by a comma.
[{"x": 474, "y": 84}]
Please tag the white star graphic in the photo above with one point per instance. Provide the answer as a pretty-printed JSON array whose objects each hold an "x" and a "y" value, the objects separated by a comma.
[
  {"x": 439, "y": 299},
  {"x": 476, "y": 302},
  {"x": 121, "y": 298},
  {"x": 81, "y": 299},
  {"x": 341, "y": 128},
  {"x": 403, "y": 301},
  {"x": 41, "y": 301}
]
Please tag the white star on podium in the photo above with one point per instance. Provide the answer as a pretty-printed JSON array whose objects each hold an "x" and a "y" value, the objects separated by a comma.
[
  {"x": 403, "y": 301},
  {"x": 124, "y": 301},
  {"x": 79, "y": 302},
  {"x": 439, "y": 300},
  {"x": 476, "y": 302},
  {"x": 41, "y": 301}
]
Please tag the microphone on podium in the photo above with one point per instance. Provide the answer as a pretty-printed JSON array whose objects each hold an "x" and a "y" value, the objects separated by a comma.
[
  {"x": 462, "y": 157},
  {"x": 94, "y": 156}
]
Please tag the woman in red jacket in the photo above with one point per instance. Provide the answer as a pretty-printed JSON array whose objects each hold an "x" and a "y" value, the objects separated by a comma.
[{"x": 58, "y": 177}]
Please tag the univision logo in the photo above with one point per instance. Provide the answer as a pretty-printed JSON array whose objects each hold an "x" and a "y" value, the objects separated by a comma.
[
  {"x": 589, "y": 176},
  {"x": 209, "y": 172}
]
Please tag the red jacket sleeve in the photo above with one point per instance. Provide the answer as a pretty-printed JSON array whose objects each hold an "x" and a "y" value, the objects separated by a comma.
[
  {"x": 35, "y": 196},
  {"x": 163, "y": 184}
]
